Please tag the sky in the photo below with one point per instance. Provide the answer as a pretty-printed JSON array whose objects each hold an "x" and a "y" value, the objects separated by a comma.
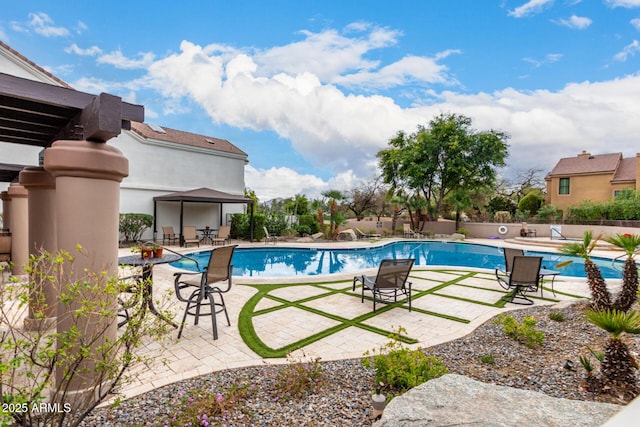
[{"x": 312, "y": 90}]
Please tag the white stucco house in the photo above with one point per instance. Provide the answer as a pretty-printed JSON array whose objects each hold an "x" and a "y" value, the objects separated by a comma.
[{"x": 161, "y": 161}]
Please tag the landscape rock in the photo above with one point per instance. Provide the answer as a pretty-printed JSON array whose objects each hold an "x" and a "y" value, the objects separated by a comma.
[{"x": 458, "y": 400}]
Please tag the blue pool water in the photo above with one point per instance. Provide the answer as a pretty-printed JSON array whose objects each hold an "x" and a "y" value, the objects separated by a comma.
[{"x": 279, "y": 262}]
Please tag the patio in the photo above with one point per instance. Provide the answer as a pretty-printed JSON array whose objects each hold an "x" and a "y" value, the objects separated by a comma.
[{"x": 321, "y": 316}]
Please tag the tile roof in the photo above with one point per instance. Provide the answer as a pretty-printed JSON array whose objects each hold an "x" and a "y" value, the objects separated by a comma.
[
  {"x": 626, "y": 171},
  {"x": 187, "y": 138},
  {"x": 586, "y": 163}
]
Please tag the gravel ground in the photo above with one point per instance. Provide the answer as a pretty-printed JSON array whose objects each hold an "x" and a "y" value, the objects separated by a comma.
[{"x": 345, "y": 396}]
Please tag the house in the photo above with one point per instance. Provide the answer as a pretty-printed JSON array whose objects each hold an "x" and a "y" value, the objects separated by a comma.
[
  {"x": 161, "y": 161},
  {"x": 591, "y": 177}
]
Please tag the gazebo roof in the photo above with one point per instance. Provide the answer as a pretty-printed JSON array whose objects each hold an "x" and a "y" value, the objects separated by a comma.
[{"x": 204, "y": 195}]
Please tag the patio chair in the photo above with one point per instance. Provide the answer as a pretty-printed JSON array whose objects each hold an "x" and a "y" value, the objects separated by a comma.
[
  {"x": 509, "y": 254},
  {"x": 408, "y": 232},
  {"x": 223, "y": 235},
  {"x": 391, "y": 279},
  {"x": 362, "y": 235},
  {"x": 200, "y": 289},
  {"x": 270, "y": 237},
  {"x": 189, "y": 235},
  {"x": 524, "y": 277},
  {"x": 168, "y": 235}
]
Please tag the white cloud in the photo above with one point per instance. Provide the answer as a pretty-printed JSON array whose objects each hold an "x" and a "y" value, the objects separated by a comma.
[
  {"x": 81, "y": 27},
  {"x": 629, "y": 50},
  {"x": 635, "y": 23},
  {"x": 118, "y": 60},
  {"x": 548, "y": 59},
  {"x": 575, "y": 22},
  {"x": 285, "y": 182},
  {"x": 623, "y": 3},
  {"x": 529, "y": 8},
  {"x": 42, "y": 24},
  {"x": 90, "y": 51},
  {"x": 342, "y": 131},
  {"x": 326, "y": 54}
]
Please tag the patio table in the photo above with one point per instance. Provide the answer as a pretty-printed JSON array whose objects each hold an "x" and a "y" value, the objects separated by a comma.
[
  {"x": 547, "y": 273},
  {"x": 207, "y": 234},
  {"x": 147, "y": 278}
]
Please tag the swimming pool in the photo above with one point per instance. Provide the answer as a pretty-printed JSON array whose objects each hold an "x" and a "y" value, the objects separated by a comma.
[{"x": 287, "y": 262}]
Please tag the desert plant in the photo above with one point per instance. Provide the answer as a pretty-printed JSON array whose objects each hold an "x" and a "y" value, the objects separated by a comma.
[
  {"x": 399, "y": 368},
  {"x": 629, "y": 243},
  {"x": 42, "y": 366},
  {"x": 488, "y": 358},
  {"x": 524, "y": 332},
  {"x": 600, "y": 296},
  {"x": 298, "y": 378},
  {"x": 618, "y": 367},
  {"x": 557, "y": 315},
  {"x": 203, "y": 407},
  {"x": 502, "y": 216}
]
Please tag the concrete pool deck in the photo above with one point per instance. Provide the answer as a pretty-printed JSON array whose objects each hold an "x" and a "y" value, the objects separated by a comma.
[{"x": 320, "y": 316}]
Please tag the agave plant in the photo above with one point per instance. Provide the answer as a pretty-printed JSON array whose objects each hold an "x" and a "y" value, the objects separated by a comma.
[
  {"x": 629, "y": 243},
  {"x": 618, "y": 367},
  {"x": 600, "y": 296}
]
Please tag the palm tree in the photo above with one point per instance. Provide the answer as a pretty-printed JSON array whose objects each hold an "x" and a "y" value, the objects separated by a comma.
[
  {"x": 618, "y": 368},
  {"x": 629, "y": 243},
  {"x": 600, "y": 296}
]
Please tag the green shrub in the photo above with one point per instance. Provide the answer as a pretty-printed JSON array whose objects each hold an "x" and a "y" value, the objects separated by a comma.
[
  {"x": 241, "y": 226},
  {"x": 307, "y": 224},
  {"x": 549, "y": 213},
  {"x": 462, "y": 231},
  {"x": 132, "y": 225},
  {"x": 531, "y": 203},
  {"x": 399, "y": 368},
  {"x": 276, "y": 224},
  {"x": 557, "y": 315},
  {"x": 524, "y": 333},
  {"x": 487, "y": 358}
]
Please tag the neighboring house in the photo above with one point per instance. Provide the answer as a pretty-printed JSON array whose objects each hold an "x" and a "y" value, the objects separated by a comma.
[
  {"x": 161, "y": 161},
  {"x": 591, "y": 177}
]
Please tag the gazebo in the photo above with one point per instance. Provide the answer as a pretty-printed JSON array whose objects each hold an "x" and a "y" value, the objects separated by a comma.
[{"x": 199, "y": 195}]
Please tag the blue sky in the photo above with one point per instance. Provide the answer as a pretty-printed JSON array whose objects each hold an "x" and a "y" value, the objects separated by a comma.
[{"x": 312, "y": 90}]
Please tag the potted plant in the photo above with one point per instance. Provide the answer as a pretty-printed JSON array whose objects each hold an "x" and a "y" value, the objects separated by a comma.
[{"x": 157, "y": 250}]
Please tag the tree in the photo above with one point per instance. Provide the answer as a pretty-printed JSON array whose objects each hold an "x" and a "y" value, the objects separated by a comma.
[
  {"x": 443, "y": 157},
  {"x": 600, "y": 296},
  {"x": 627, "y": 297},
  {"x": 334, "y": 218},
  {"x": 362, "y": 199}
]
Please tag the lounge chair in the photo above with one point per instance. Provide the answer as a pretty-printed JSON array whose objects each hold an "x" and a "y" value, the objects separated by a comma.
[
  {"x": 223, "y": 235},
  {"x": 509, "y": 254},
  {"x": 189, "y": 235},
  {"x": 524, "y": 277},
  {"x": 168, "y": 235},
  {"x": 200, "y": 289},
  {"x": 270, "y": 237},
  {"x": 362, "y": 235},
  {"x": 408, "y": 232},
  {"x": 391, "y": 279}
]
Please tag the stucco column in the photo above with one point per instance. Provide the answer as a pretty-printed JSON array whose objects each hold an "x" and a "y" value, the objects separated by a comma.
[
  {"x": 19, "y": 223},
  {"x": 6, "y": 207},
  {"x": 40, "y": 186},
  {"x": 87, "y": 179}
]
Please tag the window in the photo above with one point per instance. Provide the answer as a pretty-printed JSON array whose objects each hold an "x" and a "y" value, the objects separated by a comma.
[{"x": 564, "y": 186}]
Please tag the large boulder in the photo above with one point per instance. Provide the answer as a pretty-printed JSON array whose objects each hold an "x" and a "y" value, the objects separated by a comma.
[{"x": 459, "y": 400}]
